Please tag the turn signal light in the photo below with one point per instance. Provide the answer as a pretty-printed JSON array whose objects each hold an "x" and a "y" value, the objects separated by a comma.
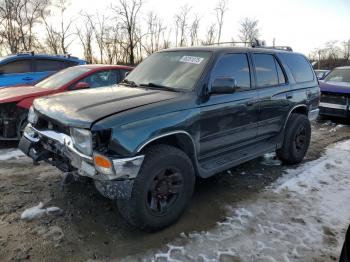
[{"x": 102, "y": 161}]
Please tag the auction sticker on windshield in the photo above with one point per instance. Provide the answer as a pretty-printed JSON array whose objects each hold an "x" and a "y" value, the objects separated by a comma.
[{"x": 191, "y": 59}]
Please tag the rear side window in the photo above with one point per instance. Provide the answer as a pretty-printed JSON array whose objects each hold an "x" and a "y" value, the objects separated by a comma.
[
  {"x": 16, "y": 67},
  {"x": 299, "y": 66},
  {"x": 44, "y": 65},
  {"x": 236, "y": 66}
]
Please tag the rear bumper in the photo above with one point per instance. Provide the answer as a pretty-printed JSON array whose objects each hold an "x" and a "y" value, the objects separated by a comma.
[{"x": 58, "y": 150}]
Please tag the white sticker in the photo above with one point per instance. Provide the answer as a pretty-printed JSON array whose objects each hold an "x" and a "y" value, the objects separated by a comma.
[{"x": 191, "y": 59}]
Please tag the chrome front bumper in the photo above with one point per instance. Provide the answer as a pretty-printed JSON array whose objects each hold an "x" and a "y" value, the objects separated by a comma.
[{"x": 123, "y": 168}]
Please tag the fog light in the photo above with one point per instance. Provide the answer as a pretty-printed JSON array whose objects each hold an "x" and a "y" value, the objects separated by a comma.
[{"x": 103, "y": 164}]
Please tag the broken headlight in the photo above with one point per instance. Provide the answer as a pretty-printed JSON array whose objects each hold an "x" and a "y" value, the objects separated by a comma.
[
  {"x": 32, "y": 116},
  {"x": 82, "y": 140}
]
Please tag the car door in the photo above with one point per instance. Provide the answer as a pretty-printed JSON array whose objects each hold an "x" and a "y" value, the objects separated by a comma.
[
  {"x": 273, "y": 87},
  {"x": 16, "y": 72},
  {"x": 229, "y": 120}
]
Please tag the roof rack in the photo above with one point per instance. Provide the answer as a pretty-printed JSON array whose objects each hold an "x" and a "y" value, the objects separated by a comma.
[
  {"x": 225, "y": 43},
  {"x": 281, "y": 47},
  {"x": 255, "y": 44}
]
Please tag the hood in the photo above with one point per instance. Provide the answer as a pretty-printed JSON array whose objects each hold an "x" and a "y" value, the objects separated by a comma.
[
  {"x": 18, "y": 93},
  {"x": 335, "y": 87},
  {"x": 83, "y": 108}
]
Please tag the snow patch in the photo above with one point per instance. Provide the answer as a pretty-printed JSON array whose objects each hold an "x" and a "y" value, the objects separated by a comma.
[
  {"x": 7, "y": 154},
  {"x": 302, "y": 217},
  {"x": 38, "y": 211}
]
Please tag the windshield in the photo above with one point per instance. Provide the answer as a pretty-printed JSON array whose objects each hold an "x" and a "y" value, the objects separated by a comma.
[
  {"x": 62, "y": 77},
  {"x": 338, "y": 75},
  {"x": 178, "y": 70}
]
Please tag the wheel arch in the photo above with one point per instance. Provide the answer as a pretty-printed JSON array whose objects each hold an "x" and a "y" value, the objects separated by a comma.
[
  {"x": 298, "y": 109},
  {"x": 180, "y": 139}
]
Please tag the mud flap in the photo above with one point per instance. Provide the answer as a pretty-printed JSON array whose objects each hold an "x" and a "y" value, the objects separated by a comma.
[{"x": 115, "y": 189}]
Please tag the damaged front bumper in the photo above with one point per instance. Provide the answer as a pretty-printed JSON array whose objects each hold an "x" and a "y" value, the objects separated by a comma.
[{"x": 58, "y": 150}]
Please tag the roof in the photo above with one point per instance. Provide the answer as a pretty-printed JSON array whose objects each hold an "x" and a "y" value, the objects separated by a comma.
[
  {"x": 220, "y": 49},
  {"x": 104, "y": 66},
  {"x": 46, "y": 56}
]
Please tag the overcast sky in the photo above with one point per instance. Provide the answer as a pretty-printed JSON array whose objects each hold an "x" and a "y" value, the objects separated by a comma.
[{"x": 301, "y": 24}]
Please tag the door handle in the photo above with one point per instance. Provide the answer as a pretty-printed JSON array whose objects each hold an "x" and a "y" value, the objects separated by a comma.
[
  {"x": 250, "y": 103},
  {"x": 27, "y": 78},
  {"x": 289, "y": 96}
]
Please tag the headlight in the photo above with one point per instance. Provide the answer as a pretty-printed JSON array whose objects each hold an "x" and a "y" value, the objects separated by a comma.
[
  {"x": 32, "y": 116},
  {"x": 82, "y": 140}
]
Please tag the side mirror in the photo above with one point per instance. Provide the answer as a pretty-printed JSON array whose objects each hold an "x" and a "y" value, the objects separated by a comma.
[
  {"x": 81, "y": 85},
  {"x": 224, "y": 85},
  {"x": 126, "y": 73}
]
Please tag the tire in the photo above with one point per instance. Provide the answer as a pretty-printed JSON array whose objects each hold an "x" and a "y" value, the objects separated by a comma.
[
  {"x": 161, "y": 191},
  {"x": 296, "y": 140}
]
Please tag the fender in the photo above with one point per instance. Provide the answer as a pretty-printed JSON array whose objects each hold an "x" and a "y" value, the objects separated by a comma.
[
  {"x": 290, "y": 112},
  {"x": 143, "y": 145}
]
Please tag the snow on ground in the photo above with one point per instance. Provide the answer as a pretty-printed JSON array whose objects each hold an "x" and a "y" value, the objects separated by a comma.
[
  {"x": 302, "y": 217},
  {"x": 39, "y": 211},
  {"x": 7, "y": 154}
]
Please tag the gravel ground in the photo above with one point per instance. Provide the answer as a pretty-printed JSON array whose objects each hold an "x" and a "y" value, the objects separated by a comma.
[{"x": 88, "y": 226}]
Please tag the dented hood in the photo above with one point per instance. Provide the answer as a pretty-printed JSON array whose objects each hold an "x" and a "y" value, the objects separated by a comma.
[
  {"x": 18, "y": 93},
  {"x": 83, "y": 108}
]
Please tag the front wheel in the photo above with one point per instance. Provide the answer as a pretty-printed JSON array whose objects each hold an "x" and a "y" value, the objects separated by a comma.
[
  {"x": 296, "y": 140},
  {"x": 162, "y": 189}
]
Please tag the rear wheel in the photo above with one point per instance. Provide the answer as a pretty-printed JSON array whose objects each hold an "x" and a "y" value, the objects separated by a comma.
[
  {"x": 162, "y": 189},
  {"x": 296, "y": 141}
]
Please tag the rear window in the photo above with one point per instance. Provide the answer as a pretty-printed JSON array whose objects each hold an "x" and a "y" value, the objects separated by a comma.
[
  {"x": 299, "y": 66},
  {"x": 43, "y": 65}
]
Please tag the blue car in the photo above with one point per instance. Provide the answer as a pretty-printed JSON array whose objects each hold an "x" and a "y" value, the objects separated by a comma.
[{"x": 29, "y": 68}]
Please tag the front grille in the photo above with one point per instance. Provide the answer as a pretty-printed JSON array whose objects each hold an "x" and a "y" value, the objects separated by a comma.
[
  {"x": 44, "y": 124},
  {"x": 334, "y": 99}
]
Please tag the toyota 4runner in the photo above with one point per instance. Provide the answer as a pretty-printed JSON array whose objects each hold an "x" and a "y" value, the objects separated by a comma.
[{"x": 182, "y": 113}]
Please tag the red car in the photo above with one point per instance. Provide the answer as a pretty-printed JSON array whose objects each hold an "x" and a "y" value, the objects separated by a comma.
[{"x": 16, "y": 101}]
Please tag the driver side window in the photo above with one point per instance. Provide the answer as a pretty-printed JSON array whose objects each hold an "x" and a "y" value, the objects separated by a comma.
[
  {"x": 101, "y": 78},
  {"x": 236, "y": 66}
]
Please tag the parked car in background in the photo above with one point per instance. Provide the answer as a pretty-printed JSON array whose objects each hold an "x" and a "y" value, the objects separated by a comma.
[
  {"x": 321, "y": 73},
  {"x": 181, "y": 113},
  {"x": 335, "y": 93},
  {"x": 16, "y": 101},
  {"x": 29, "y": 68}
]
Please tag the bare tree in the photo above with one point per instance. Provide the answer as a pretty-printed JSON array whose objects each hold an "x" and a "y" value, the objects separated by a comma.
[
  {"x": 194, "y": 31},
  {"x": 249, "y": 30},
  {"x": 220, "y": 11},
  {"x": 127, "y": 12},
  {"x": 85, "y": 35},
  {"x": 18, "y": 19},
  {"x": 346, "y": 49},
  {"x": 211, "y": 35},
  {"x": 59, "y": 38},
  {"x": 181, "y": 25},
  {"x": 155, "y": 31}
]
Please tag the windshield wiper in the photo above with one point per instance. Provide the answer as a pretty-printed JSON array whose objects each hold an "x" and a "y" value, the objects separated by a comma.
[
  {"x": 160, "y": 87},
  {"x": 127, "y": 82}
]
